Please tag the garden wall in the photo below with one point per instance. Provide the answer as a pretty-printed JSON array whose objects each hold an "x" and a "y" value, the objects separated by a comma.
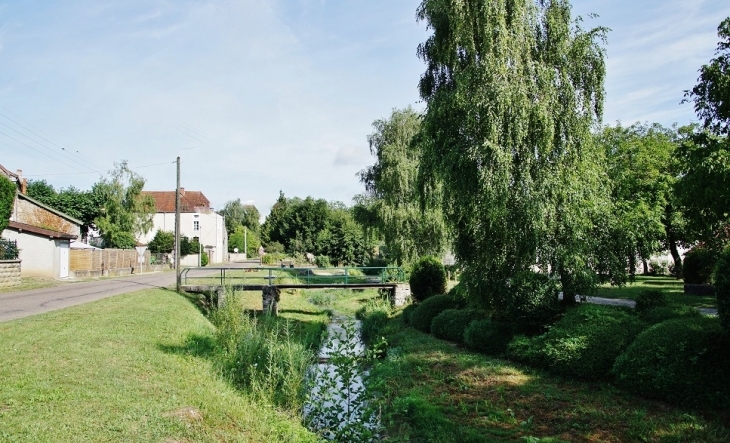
[
  {"x": 109, "y": 262},
  {"x": 9, "y": 273}
]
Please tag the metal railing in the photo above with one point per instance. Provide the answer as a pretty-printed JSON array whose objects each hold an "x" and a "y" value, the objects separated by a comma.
[{"x": 270, "y": 276}]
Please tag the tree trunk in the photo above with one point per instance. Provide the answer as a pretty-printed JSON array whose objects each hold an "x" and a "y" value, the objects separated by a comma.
[
  {"x": 646, "y": 265},
  {"x": 566, "y": 282},
  {"x": 675, "y": 255}
]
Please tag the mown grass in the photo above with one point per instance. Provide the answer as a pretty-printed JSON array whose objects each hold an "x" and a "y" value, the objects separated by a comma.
[
  {"x": 135, "y": 367},
  {"x": 433, "y": 391},
  {"x": 28, "y": 283},
  {"x": 673, "y": 288}
]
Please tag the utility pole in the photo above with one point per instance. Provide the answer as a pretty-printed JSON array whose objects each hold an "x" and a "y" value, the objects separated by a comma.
[{"x": 177, "y": 228}]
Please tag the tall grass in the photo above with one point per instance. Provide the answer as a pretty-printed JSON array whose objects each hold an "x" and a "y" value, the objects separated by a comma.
[{"x": 263, "y": 355}]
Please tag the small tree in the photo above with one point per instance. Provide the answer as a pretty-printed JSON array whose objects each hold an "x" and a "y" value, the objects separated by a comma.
[
  {"x": 163, "y": 242},
  {"x": 427, "y": 278},
  {"x": 247, "y": 242}
]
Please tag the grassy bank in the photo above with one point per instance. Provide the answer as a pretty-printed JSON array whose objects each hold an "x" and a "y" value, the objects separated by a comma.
[
  {"x": 673, "y": 288},
  {"x": 135, "y": 367},
  {"x": 433, "y": 391}
]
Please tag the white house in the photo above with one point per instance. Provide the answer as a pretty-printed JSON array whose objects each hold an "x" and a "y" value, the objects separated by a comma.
[
  {"x": 43, "y": 234},
  {"x": 197, "y": 220}
]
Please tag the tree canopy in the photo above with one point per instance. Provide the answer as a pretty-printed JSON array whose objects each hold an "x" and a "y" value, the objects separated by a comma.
[
  {"x": 237, "y": 214},
  {"x": 703, "y": 189},
  {"x": 8, "y": 190},
  {"x": 83, "y": 205},
  {"x": 391, "y": 203},
  {"x": 512, "y": 90},
  {"x": 126, "y": 213}
]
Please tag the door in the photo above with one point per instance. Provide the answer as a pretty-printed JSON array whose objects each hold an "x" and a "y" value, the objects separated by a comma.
[{"x": 63, "y": 257}]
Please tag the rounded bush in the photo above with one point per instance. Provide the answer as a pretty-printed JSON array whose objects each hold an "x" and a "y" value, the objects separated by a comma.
[
  {"x": 650, "y": 299},
  {"x": 488, "y": 337},
  {"x": 451, "y": 323},
  {"x": 698, "y": 265},
  {"x": 428, "y": 278},
  {"x": 425, "y": 311},
  {"x": 586, "y": 341},
  {"x": 526, "y": 350},
  {"x": 529, "y": 300},
  {"x": 683, "y": 361},
  {"x": 663, "y": 313},
  {"x": 408, "y": 312},
  {"x": 722, "y": 288}
]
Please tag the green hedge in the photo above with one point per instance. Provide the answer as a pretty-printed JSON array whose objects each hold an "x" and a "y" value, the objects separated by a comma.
[
  {"x": 530, "y": 300},
  {"x": 663, "y": 313},
  {"x": 584, "y": 343},
  {"x": 650, "y": 299},
  {"x": 7, "y": 198},
  {"x": 408, "y": 312},
  {"x": 428, "y": 278},
  {"x": 425, "y": 311},
  {"x": 683, "y": 361},
  {"x": 698, "y": 265},
  {"x": 488, "y": 337},
  {"x": 722, "y": 288},
  {"x": 451, "y": 323}
]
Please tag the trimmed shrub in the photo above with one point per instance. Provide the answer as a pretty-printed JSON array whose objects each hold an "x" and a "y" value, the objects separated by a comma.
[
  {"x": 322, "y": 261},
  {"x": 683, "y": 361},
  {"x": 204, "y": 260},
  {"x": 163, "y": 242},
  {"x": 488, "y": 337},
  {"x": 526, "y": 350},
  {"x": 722, "y": 288},
  {"x": 584, "y": 343},
  {"x": 530, "y": 300},
  {"x": 663, "y": 313},
  {"x": 407, "y": 313},
  {"x": 428, "y": 278},
  {"x": 425, "y": 311},
  {"x": 451, "y": 323},
  {"x": 698, "y": 265},
  {"x": 651, "y": 299}
]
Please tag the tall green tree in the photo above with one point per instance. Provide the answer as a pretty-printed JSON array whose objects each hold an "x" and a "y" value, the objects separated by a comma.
[
  {"x": 83, "y": 205},
  {"x": 641, "y": 171},
  {"x": 237, "y": 214},
  {"x": 391, "y": 205},
  {"x": 8, "y": 189},
  {"x": 126, "y": 213},
  {"x": 704, "y": 186},
  {"x": 512, "y": 89}
]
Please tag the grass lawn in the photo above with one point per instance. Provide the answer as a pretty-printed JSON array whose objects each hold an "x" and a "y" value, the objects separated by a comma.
[
  {"x": 433, "y": 391},
  {"x": 131, "y": 368},
  {"x": 28, "y": 283},
  {"x": 673, "y": 288}
]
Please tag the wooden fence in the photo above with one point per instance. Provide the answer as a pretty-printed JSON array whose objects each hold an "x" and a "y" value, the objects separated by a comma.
[{"x": 105, "y": 259}]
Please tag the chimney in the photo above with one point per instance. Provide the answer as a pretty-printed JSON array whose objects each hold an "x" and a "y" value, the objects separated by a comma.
[
  {"x": 182, "y": 191},
  {"x": 24, "y": 186}
]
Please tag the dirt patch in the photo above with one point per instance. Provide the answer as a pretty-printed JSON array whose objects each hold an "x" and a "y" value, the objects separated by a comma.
[{"x": 188, "y": 414}]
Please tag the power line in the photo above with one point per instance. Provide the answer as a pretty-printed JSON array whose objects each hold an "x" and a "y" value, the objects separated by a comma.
[
  {"x": 41, "y": 144},
  {"x": 38, "y": 151},
  {"x": 70, "y": 150},
  {"x": 94, "y": 172}
]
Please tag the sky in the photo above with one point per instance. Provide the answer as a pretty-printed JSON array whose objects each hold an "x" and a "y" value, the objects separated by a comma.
[{"x": 262, "y": 96}]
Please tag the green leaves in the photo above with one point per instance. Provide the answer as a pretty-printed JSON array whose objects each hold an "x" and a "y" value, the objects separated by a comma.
[
  {"x": 7, "y": 198},
  {"x": 512, "y": 90}
]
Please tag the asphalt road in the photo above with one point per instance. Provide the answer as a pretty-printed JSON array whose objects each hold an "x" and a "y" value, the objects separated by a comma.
[{"x": 24, "y": 303}]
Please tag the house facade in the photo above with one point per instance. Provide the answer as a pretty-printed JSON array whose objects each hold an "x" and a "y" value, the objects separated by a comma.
[
  {"x": 43, "y": 234},
  {"x": 197, "y": 220}
]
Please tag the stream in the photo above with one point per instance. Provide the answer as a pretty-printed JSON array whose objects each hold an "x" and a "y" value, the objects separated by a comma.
[{"x": 337, "y": 408}]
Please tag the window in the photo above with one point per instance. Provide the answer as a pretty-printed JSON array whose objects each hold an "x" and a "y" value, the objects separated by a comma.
[{"x": 196, "y": 225}]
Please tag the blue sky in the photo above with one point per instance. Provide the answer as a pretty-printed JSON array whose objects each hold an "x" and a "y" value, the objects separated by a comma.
[{"x": 258, "y": 96}]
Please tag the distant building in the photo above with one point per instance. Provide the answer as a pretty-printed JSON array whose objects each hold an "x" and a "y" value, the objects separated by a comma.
[
  {"x": 43, "y": 233},
  {"x": 197, "y": 220}
]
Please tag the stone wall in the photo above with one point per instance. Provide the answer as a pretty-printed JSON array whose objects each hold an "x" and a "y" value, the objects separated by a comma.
[
  {"x": 400, "y": 295},
  {"x": 9, "y": 273}
]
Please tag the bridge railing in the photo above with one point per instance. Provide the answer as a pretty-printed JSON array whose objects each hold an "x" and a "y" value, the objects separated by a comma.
[{"x": 294, "y": 276}]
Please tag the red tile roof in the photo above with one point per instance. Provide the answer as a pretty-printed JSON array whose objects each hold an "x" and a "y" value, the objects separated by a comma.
[{"x": 190, "y": 201}]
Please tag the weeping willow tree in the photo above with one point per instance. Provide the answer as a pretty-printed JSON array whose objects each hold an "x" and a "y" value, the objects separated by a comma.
[
  {"x": 513, "y": 88},
  {"x": 392, "y": 198}
]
